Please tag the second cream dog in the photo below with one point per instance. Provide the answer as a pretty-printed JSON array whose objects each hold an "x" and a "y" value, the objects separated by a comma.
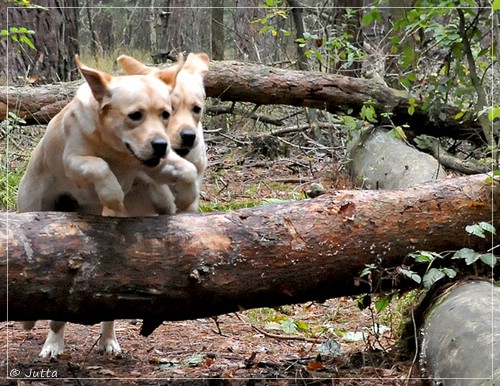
[{"x": 185, "y": 133}]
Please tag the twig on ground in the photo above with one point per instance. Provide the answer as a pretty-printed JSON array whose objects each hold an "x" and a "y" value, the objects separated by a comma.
[{"x": 287, "y": 337}]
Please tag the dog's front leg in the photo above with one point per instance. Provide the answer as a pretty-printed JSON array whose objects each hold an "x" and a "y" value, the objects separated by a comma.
[
  {"x": 89, "y": 170},
  {"x": 54, "y": 344},
  {"x": 108, "y": 343},
  {"x": 181, "y": 177}
]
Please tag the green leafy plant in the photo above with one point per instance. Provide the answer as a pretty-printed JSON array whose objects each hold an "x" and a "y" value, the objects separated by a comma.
[
  {"x": 433, "y": 275},
  {"x": 368, "y": 112},
  {"x": 276, "y": 11},
  {"x": 19, "y": 35},
  {"x": 9, "y": 177}
]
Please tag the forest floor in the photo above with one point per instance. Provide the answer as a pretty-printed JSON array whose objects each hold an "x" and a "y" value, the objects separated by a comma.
[{"x": 331, "y": 343}]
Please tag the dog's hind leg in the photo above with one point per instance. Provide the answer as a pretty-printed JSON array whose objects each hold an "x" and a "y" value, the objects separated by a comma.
[
  {"x": 108, "y": 343},
  {"x": 54, "y": 344}
]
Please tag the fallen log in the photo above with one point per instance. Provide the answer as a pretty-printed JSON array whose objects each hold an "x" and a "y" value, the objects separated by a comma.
[
  {"x": 86, "y": 269},
  {"x": 467, "y": 353},
  {"x": 263, "y": 85}
]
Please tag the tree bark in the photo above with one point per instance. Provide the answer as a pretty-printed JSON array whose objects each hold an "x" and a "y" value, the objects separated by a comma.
[
  {"x": 467, "y": 353},
  {"x": 86, "y": 269},
  {"x": 218, "y": 33},
  {"x": 55, "y": 39},
  {"x": 236, "y": 81}
]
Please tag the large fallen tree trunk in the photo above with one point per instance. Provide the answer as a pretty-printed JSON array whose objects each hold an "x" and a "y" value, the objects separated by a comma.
[
  {"x": 245, "y": 82},
  {"x": 467, "y": 353},
  {"x": 87, "y": 268}
]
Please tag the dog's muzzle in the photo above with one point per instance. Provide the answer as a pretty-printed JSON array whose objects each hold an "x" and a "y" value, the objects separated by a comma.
[
  {"x": 188, "y": 137},
  {"x": 160, "y": 148}
]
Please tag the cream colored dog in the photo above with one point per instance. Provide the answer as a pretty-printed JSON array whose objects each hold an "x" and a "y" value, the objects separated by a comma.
[
  {"x": 185, "y": 133},
  {"x": 113, "y": 132}
]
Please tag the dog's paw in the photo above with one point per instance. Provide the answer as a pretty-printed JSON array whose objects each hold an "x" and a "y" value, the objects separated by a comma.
[
  {"x": 109, "y": 346},
  {"x": 53, "y": 346},
  {"x": 175, "y": 169},
  {"x": 188, "y": 173},
  {"x": 107, "y": 212},
  {"x": 113, "y": 207},
  {"x": 111, "y": 197}
]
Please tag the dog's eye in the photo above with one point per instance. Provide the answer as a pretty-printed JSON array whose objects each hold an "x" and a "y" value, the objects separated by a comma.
[
  {"x": 135, "y": 116},
  {"x": 196, "y": 109},
  {"x": 165, "y": 114}
]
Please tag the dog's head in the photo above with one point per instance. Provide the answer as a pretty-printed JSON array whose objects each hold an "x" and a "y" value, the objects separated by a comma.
[
  {"x": 133, "y": 113},
  {"x": 188, "y": 98}
]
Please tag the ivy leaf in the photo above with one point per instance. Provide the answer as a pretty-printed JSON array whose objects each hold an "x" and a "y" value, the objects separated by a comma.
[
  {"x": 480, "y": 229},
  {"x": 425, "y": 256},
  {"x": 288, "y": 326},
  {"x": 487, "y": 227},
  {"x": 496, "y": 5},
  {"x": 350, "y": 122},
  {"x": 451, "y": 273},
  {"x": 432, "y": 276},
  {"x": 489, "y": 259},
  {"x": 410, "y": 274},
  {"x": 367, "y": 270},
  {"x": 467, "y": 254},
  {"x": 475, "y": 230}
]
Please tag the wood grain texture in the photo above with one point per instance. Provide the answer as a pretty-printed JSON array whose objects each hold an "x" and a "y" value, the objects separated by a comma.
[{"x": 86, "y": 269}]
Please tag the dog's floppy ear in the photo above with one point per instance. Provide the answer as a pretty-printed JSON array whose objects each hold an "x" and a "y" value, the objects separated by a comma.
[
  {"x": 98, "y": 81},
  {"x": 197, "y": 64},
  {"x": 168, "y": 75},
  {"x": 132, "y": 66}
]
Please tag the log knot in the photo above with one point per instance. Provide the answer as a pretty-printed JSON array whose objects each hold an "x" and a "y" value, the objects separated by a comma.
[
  {"x": 75, "y": 262},
  {"x": 196, "y": 274}
]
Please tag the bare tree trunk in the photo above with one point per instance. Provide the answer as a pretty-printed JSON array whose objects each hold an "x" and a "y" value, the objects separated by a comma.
[
  {"x": 195, "y": 14},
  {"x": 55, "y": 39},
  {"x": 153, "y": 27},
  {"x": 88, "y": 268},
  {"x": 93, "y": 35},
  {"x": 312, "y": 115},
  {"x": 245, "y": 82},
  {"x": 296, "y": 10},
  {"x": 218, "y": 36}
]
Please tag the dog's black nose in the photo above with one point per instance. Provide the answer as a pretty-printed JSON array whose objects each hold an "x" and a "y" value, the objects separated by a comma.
[
  {"x": 160, "y": 146},
  {"x": 188, "y": 136}
]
